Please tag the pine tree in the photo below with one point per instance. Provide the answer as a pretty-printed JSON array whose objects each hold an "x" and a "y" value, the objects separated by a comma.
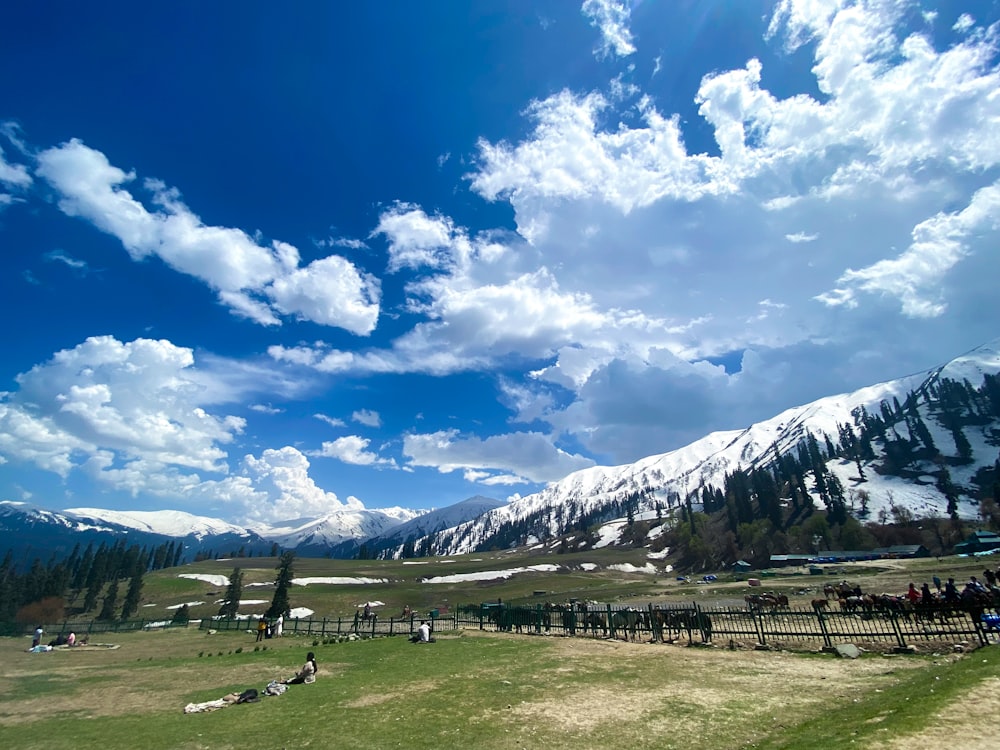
[
  {"x": 231, "y": 601},
  {"x": 110, "y": 600},
  {"x": 962, "y": 445},
  {"x": 182, "y": 615},
  {"x": 132, "y": 596},
  {"x": 280, "y": 604}
]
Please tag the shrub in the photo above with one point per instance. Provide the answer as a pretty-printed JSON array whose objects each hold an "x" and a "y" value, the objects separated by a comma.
[{"x": 49, "y": 609}]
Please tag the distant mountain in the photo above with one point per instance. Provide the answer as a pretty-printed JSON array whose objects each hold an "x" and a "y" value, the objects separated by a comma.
[
  {"x": 30, "y": 532},
  {"x": 172, "y": 523},
  {"x": 930, "y": 439},
  {"x": 319, "y": 535},
  {"x": 35, "y": 532},
  {"x": 660, "y": 481},
  {"x": 394, "y": 542}
]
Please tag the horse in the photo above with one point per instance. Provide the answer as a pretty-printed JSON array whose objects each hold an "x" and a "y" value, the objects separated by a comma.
[
  {"x": 593, "y": 621},
  {"x": 515, "y": 619},
  {"x": 679, "y": 620},
  {"x": 628, "y": 621},
  {"x": 820, "y": 604},
  {"x": 758, "y": 602}
]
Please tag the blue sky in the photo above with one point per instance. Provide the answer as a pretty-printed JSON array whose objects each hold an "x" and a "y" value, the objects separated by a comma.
[{"x": 262, "y": 264}]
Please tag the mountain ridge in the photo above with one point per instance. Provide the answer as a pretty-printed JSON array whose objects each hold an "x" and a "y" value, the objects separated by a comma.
[{"x": 660, "y": 481}]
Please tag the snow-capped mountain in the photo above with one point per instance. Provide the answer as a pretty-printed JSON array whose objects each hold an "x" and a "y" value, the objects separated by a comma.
[
  {"x": 173, "y": 523},
  {"x": 430, "y": 523},
  {"x": 588, "y": 496},
  {"x": 667, "y": 477},
  {"x": 33, "y": 532},
  {"x": 336, "y": 527}
]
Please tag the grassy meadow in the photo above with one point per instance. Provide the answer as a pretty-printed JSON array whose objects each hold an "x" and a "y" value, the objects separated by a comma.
[
  {"x": 488, "y": 690},
  {"x": 483, "y": 690}
]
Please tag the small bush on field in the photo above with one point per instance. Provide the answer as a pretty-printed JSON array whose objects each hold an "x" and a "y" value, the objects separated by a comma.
[
  {"x": 239, "y": 650},
  {"x": 49, "y": 609}
]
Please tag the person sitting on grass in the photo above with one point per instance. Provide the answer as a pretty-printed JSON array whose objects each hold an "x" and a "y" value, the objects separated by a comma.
[
  {"x": 423, "y": 634},
  {"x": 305, "y": 675}
]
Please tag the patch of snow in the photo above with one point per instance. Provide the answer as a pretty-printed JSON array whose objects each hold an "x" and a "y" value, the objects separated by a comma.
[
  {"x": 609, "y": 533},
  {"x": 415, "y": 562},
  {"x": 337, "y": 580},
  {"x": 215, "y": 580},
  {"x": 372, "y": 604},
  {"x": 588, "y": 566},
  {"x": 490, "y": 575},
  {"x": 298, "y": 613},
  {"x": 658, "y": 555},
  {"x": 648, "y": 568},
  {"x": 178, "y": 606},
  {"x": 250, "y": 585}
]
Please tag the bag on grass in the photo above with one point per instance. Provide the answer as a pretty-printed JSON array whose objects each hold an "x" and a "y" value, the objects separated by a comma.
[{"x": 248, "y": 696}]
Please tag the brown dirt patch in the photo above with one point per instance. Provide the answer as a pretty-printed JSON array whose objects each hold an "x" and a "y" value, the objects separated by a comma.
[{"x": 966, "y": 723}]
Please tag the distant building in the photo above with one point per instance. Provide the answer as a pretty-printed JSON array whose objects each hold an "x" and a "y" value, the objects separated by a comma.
[
  {"x": 741, "y": 566},
  {"x": 903, "y": 551},
  {"x": 778, "y": 561},
  {"x": 981, "y": 541},
  {"x": 840, "y": 556}
]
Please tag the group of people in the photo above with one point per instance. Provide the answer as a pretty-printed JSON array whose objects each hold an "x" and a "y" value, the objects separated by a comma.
[
  {"x": 60, "y": 640},
  {"x": 949, "y": 592},
  {"x": 267, "y": 629}
]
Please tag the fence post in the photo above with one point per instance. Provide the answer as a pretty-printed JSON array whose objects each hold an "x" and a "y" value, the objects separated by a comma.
[
  {"x": 655, "y": 626},
  {"x": 756, "y": 616},
  {"x": 822, "y": 626},
  {"x": 611, "y": 622},
  {"x": 703, "y": 621},
  {"x": 896, "y": 629},
  {"x": 977, "y": 623}
]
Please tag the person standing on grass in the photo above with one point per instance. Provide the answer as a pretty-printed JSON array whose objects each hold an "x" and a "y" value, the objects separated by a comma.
[
  {"x": 279, "y": 626},
  {"x": 261, "y": 627},
  {"x": 37, "y": 639}
]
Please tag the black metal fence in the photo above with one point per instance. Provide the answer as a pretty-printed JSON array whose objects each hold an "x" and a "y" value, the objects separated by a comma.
[
  {"x": 942, "y": 626},
  {"x": 339, "y": 626}
]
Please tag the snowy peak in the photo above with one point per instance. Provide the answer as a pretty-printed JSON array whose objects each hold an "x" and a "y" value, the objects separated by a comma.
[
  {"x": 665, "y": 478},
  {"x": 336, "y": 527},
  {"x": 172, "y": 523}
]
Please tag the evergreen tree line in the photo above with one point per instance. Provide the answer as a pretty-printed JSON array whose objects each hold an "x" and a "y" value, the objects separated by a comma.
[
  {"x": 85, "y": 572},
  {"x": 770, "y": 509}
]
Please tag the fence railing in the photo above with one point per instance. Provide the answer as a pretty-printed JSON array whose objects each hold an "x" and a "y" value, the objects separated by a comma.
[
  {"x": 787, "y": 627},
  {"x": 336, "y": 626},
  {"x": 668, "y": 622}
]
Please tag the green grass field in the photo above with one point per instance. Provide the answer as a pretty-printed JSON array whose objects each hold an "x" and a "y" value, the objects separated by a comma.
[
  {"x": 472, "y": 689},
  {"x": 485, "y": 690}
]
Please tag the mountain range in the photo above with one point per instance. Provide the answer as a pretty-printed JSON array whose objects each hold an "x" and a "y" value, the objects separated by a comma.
[{"x": 660, "y": 483}]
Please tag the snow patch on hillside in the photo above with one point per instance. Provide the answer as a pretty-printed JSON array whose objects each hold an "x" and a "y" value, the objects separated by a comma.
[
  {"x": 337, "y": 580},
  {"x": 490, "y": 575},
  {"x": 215, "y": 580}
]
